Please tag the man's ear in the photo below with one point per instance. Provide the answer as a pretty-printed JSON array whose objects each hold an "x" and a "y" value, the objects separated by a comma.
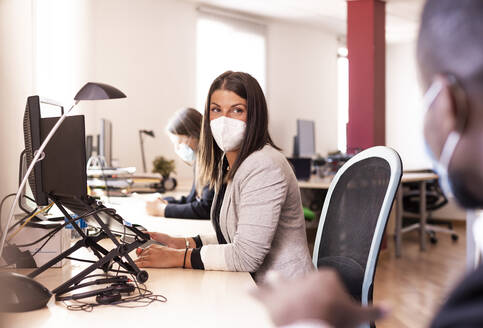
[{"x": 441, "y": 117}]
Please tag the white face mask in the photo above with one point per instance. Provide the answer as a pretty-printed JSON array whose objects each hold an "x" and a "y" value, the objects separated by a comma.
[
  {"x": 441, "y": 165},
  {"x": 228, "y": 132},
  {"x": 185, "y": 153}
]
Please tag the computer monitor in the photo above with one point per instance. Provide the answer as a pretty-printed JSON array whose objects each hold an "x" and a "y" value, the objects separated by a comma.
[
  {"x": 105, "y": 141},
  {"x": 304, "y": 142},
  {"x": 301, "y": 167},
  {"x": 63, "y": 170},
  {"x": 31, "y": 129}
]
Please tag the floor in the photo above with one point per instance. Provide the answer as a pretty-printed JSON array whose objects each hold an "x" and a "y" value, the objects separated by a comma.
[{"x": 416, "y": 284}]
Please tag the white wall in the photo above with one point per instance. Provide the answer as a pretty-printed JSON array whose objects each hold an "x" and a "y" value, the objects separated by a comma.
[
  {"x": 404, "y": 114},
  {"x": 302, "y": 83},
  {"x": 16, "y": 83},
  {"x": 146, "y": 48}
]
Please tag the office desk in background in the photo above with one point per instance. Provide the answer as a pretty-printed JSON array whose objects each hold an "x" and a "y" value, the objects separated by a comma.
[
  {"x": 196, "y": 298},
  {"x": 420, "y": 178}
]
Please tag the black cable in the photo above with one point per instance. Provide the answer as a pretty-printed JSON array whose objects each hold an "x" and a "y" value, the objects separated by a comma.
[
  {"x": 43, "y": 245},
  {"x": 47, "y": 235},
  {"x": 54, "y": 231},
  {"x": 83, "y": 306},
  {"x": 120, "y": 271},
  {"x": 1, "y": 206},
  {"x": 144, "y": 298},
  {"x": 104, "y": 275},
  {"x": 106, "y": 280},
  {"x": 29, "y": 198},
  {"x": 51, "y": 234},
  {"x": 80, "y": 260},
  {"x": 23, "y": 208},
  {"x": 22, "y": 220}
]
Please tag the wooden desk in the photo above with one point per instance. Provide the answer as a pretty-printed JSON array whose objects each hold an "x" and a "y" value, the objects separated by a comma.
[
  {"x": 196, "y": 298},
  {"x": 316, "y": 183},
  {"x": 421, "y": 178}
]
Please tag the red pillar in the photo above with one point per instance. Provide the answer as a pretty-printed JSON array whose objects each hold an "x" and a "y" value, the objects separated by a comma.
[{"x": 367, "y": 69}]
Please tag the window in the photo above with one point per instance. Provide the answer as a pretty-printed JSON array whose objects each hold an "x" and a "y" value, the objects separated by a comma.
[
  {"x": 227, "y": 42},
  {"x": 59, "y": 43},
  {"x": 342, "y": 98}
]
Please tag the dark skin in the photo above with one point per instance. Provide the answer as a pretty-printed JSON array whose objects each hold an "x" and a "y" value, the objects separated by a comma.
[
  {"x": 318, "y": 296},
  {"x": 455, "y": 110},
  {"x": 321, "y": 295}
]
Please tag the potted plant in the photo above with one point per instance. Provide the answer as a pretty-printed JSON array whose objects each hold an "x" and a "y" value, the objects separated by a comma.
[{"x": 164, "y": 167}]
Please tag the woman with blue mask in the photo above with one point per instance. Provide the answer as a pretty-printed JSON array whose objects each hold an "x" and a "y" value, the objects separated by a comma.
[
  {"x": 257, "y": 210},
  {"x": 184, "y": 132}
]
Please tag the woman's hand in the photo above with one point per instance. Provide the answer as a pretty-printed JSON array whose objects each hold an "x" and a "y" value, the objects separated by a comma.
[
  {"x": 156, "y": 207},
  {"x": 156, "y": 256},
  {"x": 172, "y": 242}
]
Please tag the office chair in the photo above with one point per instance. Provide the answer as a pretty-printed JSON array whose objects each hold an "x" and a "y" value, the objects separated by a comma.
[
  {"x": 354, "y": 216},
  {"x": 435, "y": 199}
]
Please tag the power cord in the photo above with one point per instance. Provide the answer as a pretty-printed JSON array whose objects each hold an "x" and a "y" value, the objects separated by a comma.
[
  {"x": 1, "y": 206},
  {"x": 50, "y": 234},
  {"x": 112, "y": 295},
  {"x": 21, "y": 220},
  {"x": 28, "y": 220}
]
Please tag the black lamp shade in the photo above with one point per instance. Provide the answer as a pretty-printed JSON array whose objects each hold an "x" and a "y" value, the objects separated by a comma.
[
  {"x": 97, "y": 91},
  {"x": 148, "y": 132}
]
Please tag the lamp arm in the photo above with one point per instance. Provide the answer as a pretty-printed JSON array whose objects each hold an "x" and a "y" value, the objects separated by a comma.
[
  {"x": 142, "y": 150},
  {"x": 38, "y": 154}
]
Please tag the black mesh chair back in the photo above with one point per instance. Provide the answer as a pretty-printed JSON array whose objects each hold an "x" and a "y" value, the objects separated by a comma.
[{"x": 354, "y": 217}]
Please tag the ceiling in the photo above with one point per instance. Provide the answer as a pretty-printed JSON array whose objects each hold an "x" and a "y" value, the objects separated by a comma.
[{"x": 402, "y": 15}]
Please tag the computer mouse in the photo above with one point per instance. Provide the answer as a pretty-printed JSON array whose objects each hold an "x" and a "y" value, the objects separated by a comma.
[{"x": 21, "y": 293}]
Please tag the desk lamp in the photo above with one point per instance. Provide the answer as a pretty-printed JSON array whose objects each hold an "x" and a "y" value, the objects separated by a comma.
[
  {"x": 90, "y": 91},
  {"x": 149, "y": 133}
]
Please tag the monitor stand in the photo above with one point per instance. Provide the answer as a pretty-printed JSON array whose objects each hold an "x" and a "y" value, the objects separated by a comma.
[{"x": 119, "y": 254}]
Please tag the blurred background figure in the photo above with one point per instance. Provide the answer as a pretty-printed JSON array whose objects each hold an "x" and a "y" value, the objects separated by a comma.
[{"x": 184, "y": 132}]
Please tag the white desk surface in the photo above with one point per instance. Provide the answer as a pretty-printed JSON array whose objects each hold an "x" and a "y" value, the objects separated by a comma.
[
  {"x": 417, "y": 177},
  {"x": 196, "y": 298}
]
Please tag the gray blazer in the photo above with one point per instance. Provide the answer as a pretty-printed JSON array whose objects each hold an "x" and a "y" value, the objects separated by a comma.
[{"x": 262, "y": 221}]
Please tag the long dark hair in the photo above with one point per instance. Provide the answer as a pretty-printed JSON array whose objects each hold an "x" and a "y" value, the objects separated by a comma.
[
  {"x": 185, "y": 122},
  {"x": 256, "y": 133}
]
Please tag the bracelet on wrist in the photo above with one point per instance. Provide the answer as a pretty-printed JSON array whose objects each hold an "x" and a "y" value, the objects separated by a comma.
[{"x": 187, "y": 243}]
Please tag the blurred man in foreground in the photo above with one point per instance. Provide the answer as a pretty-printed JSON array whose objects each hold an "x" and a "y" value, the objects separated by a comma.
[{"x": 450, "y": 57}]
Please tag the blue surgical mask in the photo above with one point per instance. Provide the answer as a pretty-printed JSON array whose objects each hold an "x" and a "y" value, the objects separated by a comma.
[
  {"x": 185, "y": 153},
  {"x": 441, "y": 166}
]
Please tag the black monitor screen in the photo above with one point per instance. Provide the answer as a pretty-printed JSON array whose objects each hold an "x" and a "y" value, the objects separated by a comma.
[{"x": 64, "y": 166}]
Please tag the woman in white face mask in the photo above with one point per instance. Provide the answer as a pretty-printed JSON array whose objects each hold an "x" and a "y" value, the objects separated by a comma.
[
  {"x": 184, "y": 132},
  {"x": 257, "y": 211}
]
